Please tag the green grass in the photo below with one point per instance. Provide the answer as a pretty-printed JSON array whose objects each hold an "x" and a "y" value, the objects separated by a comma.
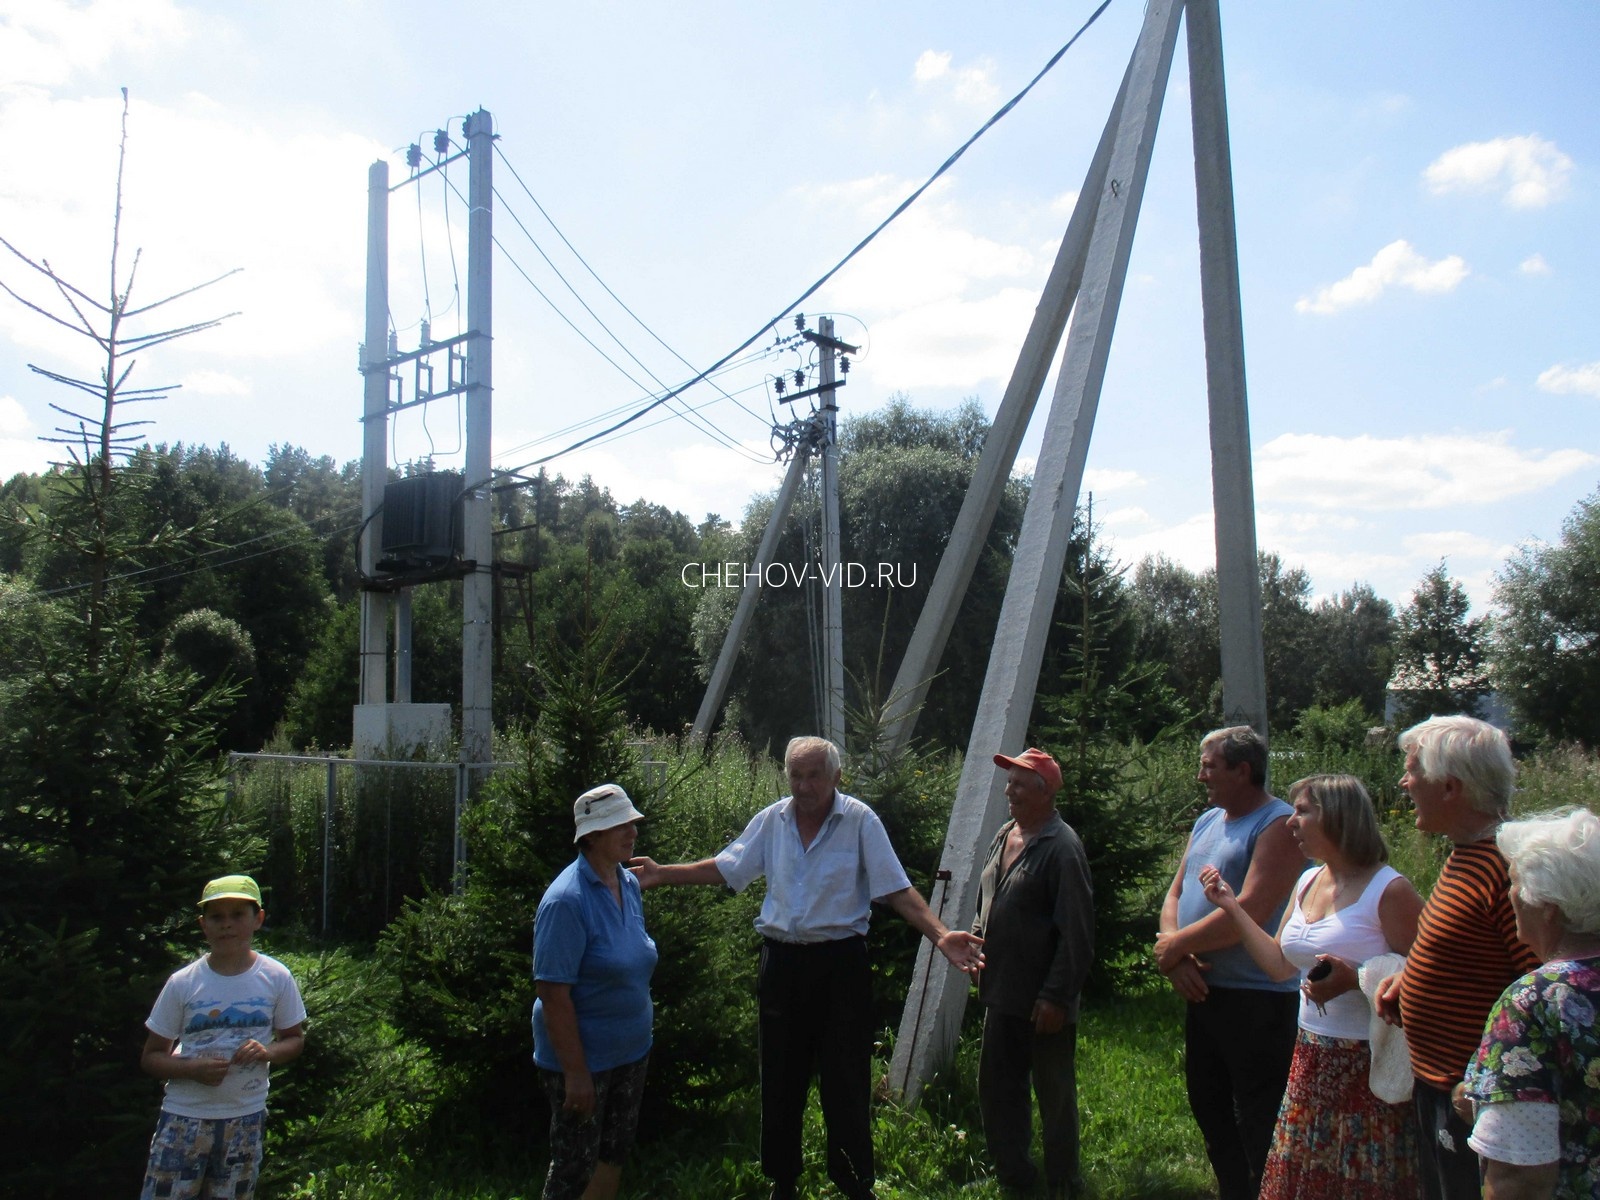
[{"x": 1139, "y": 1141}]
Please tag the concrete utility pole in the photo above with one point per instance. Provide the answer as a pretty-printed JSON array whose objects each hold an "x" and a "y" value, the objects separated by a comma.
[
  {"x": 931, "y": 1023},
  {"x": 832, "y": 563},
  {"x": 374, "y": 434},
  {"x": 477, "y": 606}
]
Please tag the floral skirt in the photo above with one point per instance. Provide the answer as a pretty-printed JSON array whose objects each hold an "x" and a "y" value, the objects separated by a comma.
[{"x": 1334, "y": 1138}]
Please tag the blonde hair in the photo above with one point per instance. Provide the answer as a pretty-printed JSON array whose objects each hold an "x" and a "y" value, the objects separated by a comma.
[{"x": 1348, "y": 818}]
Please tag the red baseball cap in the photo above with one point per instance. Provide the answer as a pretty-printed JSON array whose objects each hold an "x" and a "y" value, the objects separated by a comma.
[{"x": 1037, "y": 761}]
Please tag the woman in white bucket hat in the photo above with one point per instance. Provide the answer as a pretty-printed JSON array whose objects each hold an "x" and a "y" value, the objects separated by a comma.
[{"x": 592, "y": 962}]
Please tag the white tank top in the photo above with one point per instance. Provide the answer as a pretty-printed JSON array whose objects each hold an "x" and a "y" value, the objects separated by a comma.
[{"x": 1354, "y": 934}]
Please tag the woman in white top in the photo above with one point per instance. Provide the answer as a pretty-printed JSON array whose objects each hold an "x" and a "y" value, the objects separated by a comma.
[{"x": 1334, "y": 1138}]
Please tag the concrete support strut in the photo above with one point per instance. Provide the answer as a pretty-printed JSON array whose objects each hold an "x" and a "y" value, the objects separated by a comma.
[
  {"x": 477, "y": 594},
  {"x": 717, "y": 686},
  {"x": 932, "y": 1020},
  {"x": 1244, "y": 675},
  {"x": 971, "y": 529}
]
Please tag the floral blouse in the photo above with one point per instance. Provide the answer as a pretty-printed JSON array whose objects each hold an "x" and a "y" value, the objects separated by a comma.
[{"x": 1541, "y": 1045}]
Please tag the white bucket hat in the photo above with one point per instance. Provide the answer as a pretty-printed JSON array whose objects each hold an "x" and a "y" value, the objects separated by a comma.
[{"x": 601, "y": 808}]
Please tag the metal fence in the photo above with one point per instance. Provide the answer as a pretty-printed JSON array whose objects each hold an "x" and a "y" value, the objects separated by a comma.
[{"x": 349, "y": 840}]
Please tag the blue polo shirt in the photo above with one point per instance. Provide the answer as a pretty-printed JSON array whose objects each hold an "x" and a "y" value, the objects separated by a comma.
[{"x": 582, "y": 938}]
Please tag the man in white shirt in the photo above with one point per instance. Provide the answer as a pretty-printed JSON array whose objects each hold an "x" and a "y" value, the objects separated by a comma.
[{"x": 826, "y": 858}]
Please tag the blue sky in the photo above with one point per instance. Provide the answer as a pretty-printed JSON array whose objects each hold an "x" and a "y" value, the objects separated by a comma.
[{"x": 1416, "y": 188}]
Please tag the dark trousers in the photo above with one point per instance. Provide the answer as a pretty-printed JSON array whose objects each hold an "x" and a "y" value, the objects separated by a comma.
[
  {"x": 816, "y": 1019},
  {"x": 1447, "y": 1166},
  {"x": 1012, "y": 1055},
  {"x": 1238, "y": 1043}
]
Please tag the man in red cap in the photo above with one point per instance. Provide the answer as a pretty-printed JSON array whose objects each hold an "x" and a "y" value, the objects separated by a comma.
[{"x": 1036, "y": 916}]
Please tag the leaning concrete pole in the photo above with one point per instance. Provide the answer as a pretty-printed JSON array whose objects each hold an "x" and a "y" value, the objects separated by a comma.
[
  {"x": 375, "y": 435},
  {"x": 931, "y": 1024},
  {"x": 971, "y": 529},
  {"x": 717, "y": 687},
  {"x": 477, "y": 593},
  {"x": 1244, "y": 677}
]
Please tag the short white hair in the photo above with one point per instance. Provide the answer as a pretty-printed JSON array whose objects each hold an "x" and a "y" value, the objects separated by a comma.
[
  {"x": 1467, "y": 749},
  {"x": 1556, "y": 857},
  {"x": 812, "y": 745}
]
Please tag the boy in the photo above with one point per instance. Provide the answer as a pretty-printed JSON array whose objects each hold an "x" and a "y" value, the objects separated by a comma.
[{"x": 236, "y": 1012}]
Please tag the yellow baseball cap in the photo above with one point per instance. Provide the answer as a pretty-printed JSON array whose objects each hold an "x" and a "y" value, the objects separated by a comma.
[{"x": 231, "y": 887}]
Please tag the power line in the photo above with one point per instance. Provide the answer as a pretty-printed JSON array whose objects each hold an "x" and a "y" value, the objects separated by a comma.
[
  {"x": 594, "y": 274},
  {"x": 860, "y": 246}
]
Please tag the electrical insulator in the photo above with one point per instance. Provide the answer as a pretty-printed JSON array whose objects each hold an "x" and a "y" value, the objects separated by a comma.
[
  {"x": 441, "y": 141},
  {"x": 413, "y": 156},
  {"x": 799, "y": 321},
  {"x": 781, "y": 384},
  {"x": 427, "y": 331},
  {"x": 800, "y": 379},
  {"x": 844, "y": 364}
]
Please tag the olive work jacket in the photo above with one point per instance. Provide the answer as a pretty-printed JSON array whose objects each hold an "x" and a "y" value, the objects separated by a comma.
[{"x": 1037, "y": 922}]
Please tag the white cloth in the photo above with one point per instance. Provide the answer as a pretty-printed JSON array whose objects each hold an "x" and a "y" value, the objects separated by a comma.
[
  {"x": 1390, "y": 1077},
  {"x": 821, "y": 892},
  {"x": 210, "y": 1016},
  {"x": 1524, "y": 1133},
  {"x": 1353, "y": 933}
]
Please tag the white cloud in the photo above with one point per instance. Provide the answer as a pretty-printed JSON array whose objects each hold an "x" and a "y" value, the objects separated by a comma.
[
  {"x": 47, "y": 43},
  {"x": 1103, "y": 480},
  {"x": 1455, "y": 544},
  {"x": 215, "y": 383},
  {"x": 969, "y": 85},
  {"x": 974, "y": 295},
  {"x": 1396, "y": 265},
  {"x": 1419, "y": 472},
  {"x": 1065, "y": 203},
  {"x": 931, "y": 65},
  {"x": 1192, "y": 542},
  {"x": 1534, "y": 264},
  {"x": 692, "y": 479},
  {"x": 1563, "y": 380},
  {"x": 20, "y": 447},
  {"x": 1532, "y": 171},
  {"x": 14, "y": 420}
]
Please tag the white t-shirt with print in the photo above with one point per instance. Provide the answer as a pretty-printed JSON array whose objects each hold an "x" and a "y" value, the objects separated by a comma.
[{"x": 209, "y": 1015}]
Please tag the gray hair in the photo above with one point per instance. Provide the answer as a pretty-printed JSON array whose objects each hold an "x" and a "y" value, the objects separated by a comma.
[
  {"x": 1467, "y": 749},
  {"x": 1240, "y": 744},
  {"x": 812, "y": 745},
  {"x": 1556, "y": 857}
]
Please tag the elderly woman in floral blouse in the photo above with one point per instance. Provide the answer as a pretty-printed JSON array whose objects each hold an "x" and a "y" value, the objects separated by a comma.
[{"x": 1534, "y": 1085}]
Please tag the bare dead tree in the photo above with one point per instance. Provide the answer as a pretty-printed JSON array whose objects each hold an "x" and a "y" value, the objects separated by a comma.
[{"x": 97, "y": 440}]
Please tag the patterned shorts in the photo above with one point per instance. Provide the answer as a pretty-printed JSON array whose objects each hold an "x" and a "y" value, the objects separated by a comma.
[
  {"x": 577, "y": 1143},
  {"x": 204, "y": 1158}
]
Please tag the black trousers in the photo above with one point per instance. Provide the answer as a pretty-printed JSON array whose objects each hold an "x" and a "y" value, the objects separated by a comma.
[
  {"x": 1013, "y": 1057},
  {"x": 816, "y": 1019},
  {"x": 1447, "y": 1166},
  {"x": 1238, "y": 1043}
]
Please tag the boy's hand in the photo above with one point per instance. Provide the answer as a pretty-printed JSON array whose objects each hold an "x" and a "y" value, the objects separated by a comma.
[
  {"x": 251, "y": 1052},
  {"x": 209, "y": 1071}
]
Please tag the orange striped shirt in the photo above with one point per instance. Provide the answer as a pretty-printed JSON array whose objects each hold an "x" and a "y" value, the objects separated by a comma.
[{"x": 1466, "y": 953}]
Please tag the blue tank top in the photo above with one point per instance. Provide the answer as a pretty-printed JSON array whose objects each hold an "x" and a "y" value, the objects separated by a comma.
[{"x": 1228, "y": 846}]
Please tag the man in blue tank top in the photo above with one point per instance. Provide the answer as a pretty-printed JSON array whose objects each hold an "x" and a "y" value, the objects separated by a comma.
[{"x": 1239, "y": 1027}]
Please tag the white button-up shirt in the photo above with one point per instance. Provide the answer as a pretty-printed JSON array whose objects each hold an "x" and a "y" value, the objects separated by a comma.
[{"x": 821, "y": 892}]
